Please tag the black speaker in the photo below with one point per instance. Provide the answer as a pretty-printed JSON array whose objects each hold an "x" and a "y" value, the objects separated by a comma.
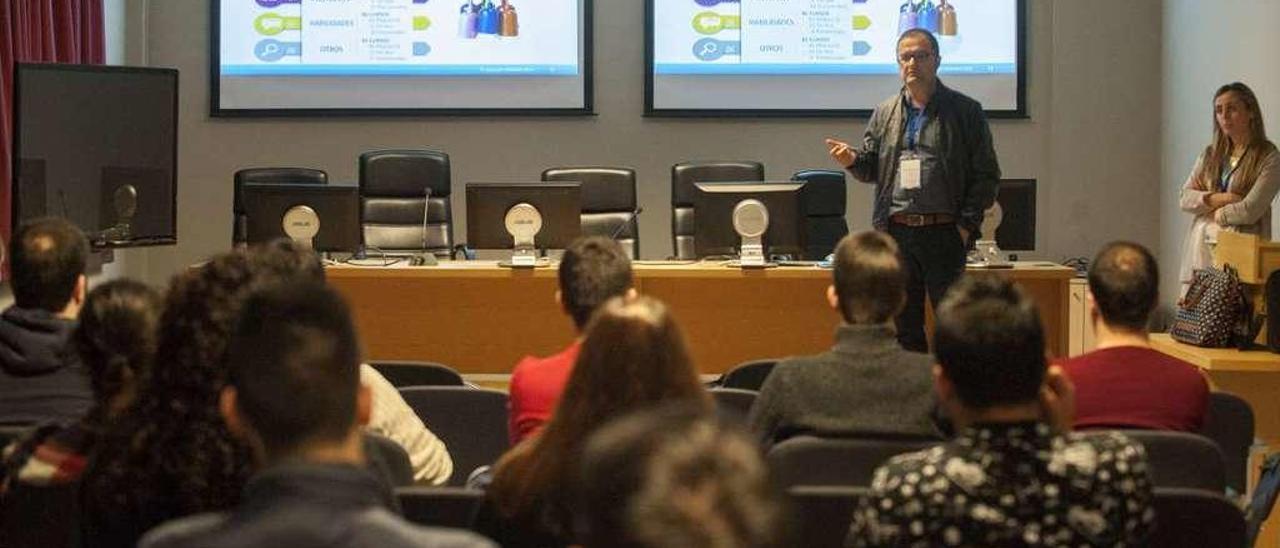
[{"x": 1017, "y": 232}]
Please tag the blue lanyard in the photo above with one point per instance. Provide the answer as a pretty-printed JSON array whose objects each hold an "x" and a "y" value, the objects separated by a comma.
[{"x": 915, "y": 125}]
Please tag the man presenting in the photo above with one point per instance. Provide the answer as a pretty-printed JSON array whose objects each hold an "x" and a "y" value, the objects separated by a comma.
[{"x": 928, "y": 151}]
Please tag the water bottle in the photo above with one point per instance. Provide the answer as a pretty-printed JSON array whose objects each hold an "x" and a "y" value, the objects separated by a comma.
[
  {"x": 510, "y": 23},
  {"x": 928, "y": 19},
  {"x": 906, "y": 17},
  {"x": 949, "y": 25},
  {"x": 489, "y": 21},
  {"x": 467, "y": 20}
]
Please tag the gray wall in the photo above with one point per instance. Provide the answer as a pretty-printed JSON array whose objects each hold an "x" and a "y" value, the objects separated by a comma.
[
  {"x": 1208, "y": 44},
  {"x": 1093, "y": 147}
]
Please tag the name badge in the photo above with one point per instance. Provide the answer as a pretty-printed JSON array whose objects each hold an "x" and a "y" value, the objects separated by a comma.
[{"x": 909, "y": 171}]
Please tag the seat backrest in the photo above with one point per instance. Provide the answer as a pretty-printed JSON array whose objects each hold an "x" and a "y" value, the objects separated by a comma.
[
  {"x": 608, "y": 202},
  {"x": 472, "y": 423},
  {"x": 733, "y": 402},
  {"x": 1196, "y": 518},
  {"x": 295, "y": 175},
  {"x": 453, "y": 507},
  {"x": 393, "y": 185},
  {"x": 811, "y": 460},
  {"x": 40, "y": 516},
  {"x": 1230, "y": 424},
  {"x": 821, "y": 514},
  {"x": 683, "y": 177},
  {"x": 388, "y": 459},
  {"x": 824, "y": 204},
  {"x": 402, "y": 374},
  {"x": 749, "y": 375},
  {"x": 1180, "y": 459}
]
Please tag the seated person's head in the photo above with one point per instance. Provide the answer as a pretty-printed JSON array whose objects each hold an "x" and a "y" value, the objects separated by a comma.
[
  {"x": 675, "y": 476},
  {"x": 293, "y": 382},
  {"x": 869, "y": 286},
  {"x": 47, "y": 261},
  {"x": 116, "y": 341},
  {"x": 592, "y": 271},
  {"x": 1124, "y": 281},
  {"x": 285, "y": 259},
  {"x": 989, "y": 345}
]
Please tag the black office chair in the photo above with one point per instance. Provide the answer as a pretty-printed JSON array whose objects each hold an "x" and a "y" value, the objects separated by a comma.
[
  {"x": 387, "y": 459},
  {"x": 821, "y": 515},
  {"x": 1230, "y": 424},
  {"x": 1195, "y": 518},
  {"x": 472, "y": 423},
  {"x": 295, "y": 175},
  {"x": 1180, "y": 459},
  {"x": 608, "y": 202},
  {"x": 683, "y": 177},
  {"x": 824, "y": 206},
  {"x": 733, "y": 402},
  {"x": 748, "y": 375},
  {"x": 452, "y": 507},
  {"x": 393, "y": 185},
  {"x": 811, "y": 460},
  {"x": 403, "y": 374}
]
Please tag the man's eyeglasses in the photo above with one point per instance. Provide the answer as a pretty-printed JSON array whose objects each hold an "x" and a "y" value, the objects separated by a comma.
[{"x": 919, "y": 56}]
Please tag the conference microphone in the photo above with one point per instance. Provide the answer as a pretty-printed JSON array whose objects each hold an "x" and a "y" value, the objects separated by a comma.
[
  {"x": 631, "y": 217},
  {"x": 426, "y": 207}
]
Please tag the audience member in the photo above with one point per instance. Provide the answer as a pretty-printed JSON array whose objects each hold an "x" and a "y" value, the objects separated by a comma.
[
  {"x": 1012, "y": 477},
  {"x": 675, "y": 477},
  {"x": 40, "y": 378},
  {"x": 313, "y": 489},
  {"x": 115, "y": 340},
  {"x": 867, "y": 383},
  {"x": 1124, "y": 383},
  {"x": 391, "y": 416},
  {"x": 592, "y": 270},
  {"x": 633, "y": 356}
]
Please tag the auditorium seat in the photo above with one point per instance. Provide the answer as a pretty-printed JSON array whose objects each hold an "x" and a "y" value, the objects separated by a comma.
[
  {"x": 387, "y": 459},
  {"x": 733, "y": 402},
  {"x": 472, "y": 423},
  {"x": 683, "y": 177},
  {"x": 608, "y": 202},
  {"x": 292, "y": 175},
  {"x": 1195, "y": 518},
  {"x": 824, "y": 207},
  {"x": 812, "y": 460},
  {"x": 821, "y": 515},
  {"x": 748, "y": 375},
  {"x": 1180, "y": 459},
  {"x": 1230, "y": 424},
  {"x": 393, "y": 185},
  {"x": 402, "y": 374},
  {"x": 440, "y": 506}
]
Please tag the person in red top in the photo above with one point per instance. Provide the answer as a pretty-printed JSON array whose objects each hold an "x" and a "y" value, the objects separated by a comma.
[
  {"x": 592, "y": 271},
  {"x": 1125, "y": 383}
]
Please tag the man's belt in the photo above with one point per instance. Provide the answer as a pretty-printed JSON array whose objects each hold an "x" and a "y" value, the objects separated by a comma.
[{"x": 925, "y": 219}]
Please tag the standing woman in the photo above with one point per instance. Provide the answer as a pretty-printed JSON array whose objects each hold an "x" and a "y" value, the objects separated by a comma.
[{"x": 1234, "y": 179}]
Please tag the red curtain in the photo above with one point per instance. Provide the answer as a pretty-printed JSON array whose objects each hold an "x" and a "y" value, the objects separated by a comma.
[{"x": 43, "y": 31}]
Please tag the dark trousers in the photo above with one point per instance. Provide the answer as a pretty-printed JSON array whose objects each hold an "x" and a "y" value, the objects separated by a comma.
[{"x": 933, "y": 258}]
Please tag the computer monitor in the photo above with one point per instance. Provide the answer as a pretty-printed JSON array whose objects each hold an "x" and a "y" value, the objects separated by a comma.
[
  {"x": 559, "y": 204},
  {"x": 1017, "y": 199},
  {"x": 336, "y": 207},
  {"x": 714, "y": 203}
]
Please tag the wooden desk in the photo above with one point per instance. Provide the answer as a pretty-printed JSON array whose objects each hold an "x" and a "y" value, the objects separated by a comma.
[{"x": 478, "y": 318}]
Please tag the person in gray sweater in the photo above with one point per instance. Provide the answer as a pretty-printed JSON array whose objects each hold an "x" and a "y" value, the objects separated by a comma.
[{"x": 867, "y": 384}]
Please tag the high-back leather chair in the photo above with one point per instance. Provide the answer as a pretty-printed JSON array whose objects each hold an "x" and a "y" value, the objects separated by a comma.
[
  {"x": 293, "y": 175},
  {"x": 824, "y": 205},
  {"x": 683, "y": 176},
  {"x": 608, "y": 202},
  {"x": 393, "y": 185}
]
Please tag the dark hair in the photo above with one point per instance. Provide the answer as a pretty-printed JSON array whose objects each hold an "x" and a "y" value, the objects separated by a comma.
[
  {"x": 868, "y": 277},
  {"x": 116, "y": 340},
  {"x": 990, "y": 343},
  {"x": 295, "y": 339},
  {"x": 918, "y": 33},
  {"x": 286, "y": 259},
  {"x": 1124, "y": 280},
  {"x": 633, "y": 356},
  {"x": 47, "y": 256},
  {"x": 171, "y": 454},
  {"x": 675, "y": 476},
  {"x": 592, "y": 270}
]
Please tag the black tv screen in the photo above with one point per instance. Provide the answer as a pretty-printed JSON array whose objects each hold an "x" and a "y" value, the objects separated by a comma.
[{"x": 99, "y": 146}]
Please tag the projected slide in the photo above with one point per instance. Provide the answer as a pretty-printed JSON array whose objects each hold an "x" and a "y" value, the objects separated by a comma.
[
  {"x": 399, "y": 54},
  {"x": 823, "y": 54}
]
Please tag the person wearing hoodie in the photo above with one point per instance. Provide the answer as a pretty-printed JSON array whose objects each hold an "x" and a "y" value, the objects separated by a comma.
[{"x": 41, "y": 379}]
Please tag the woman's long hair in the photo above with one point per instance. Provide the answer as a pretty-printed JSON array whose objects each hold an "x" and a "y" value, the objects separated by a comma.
[
  {"x": 1218, "y": 153},
  {"x": 115, "y": 338},
  {"x": 633, "y": 357}
]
